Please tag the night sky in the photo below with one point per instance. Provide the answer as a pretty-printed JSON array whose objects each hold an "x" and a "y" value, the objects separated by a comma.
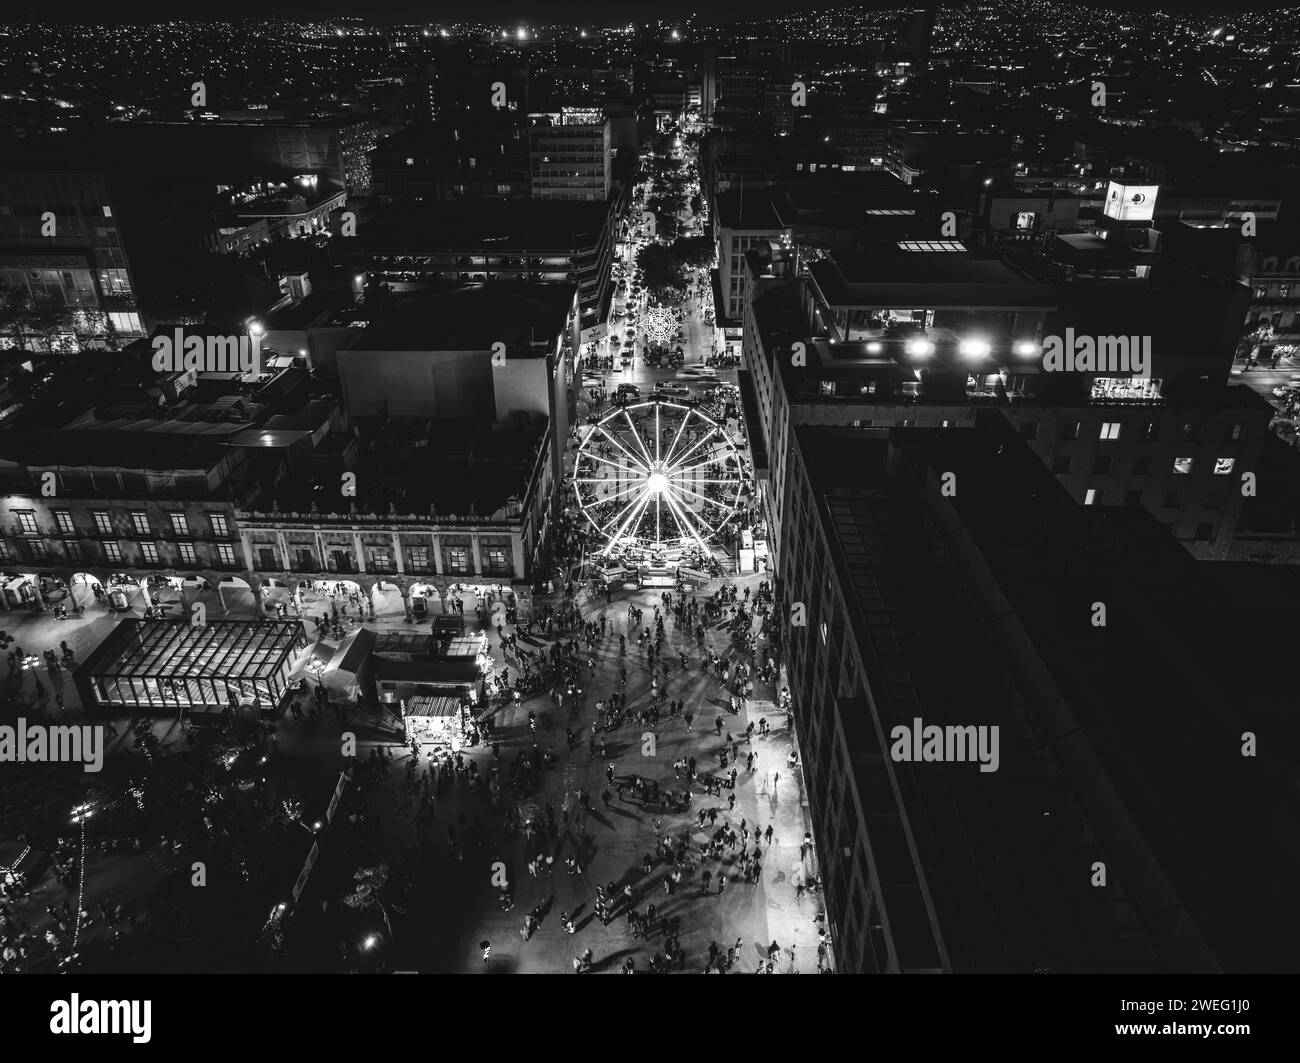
[{"x": 593, "y": 11}]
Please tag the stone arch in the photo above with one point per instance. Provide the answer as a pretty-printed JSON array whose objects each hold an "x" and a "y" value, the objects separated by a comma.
[
  {"x": 388, "y": 596},
  {"x": 82, "y": 587},
  {"x": 239, "y": 591}
]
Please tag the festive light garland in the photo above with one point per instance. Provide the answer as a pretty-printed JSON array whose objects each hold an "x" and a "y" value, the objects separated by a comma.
[
  {"x": 17, "y": 863},
  {"x": 81, "y": 885}
]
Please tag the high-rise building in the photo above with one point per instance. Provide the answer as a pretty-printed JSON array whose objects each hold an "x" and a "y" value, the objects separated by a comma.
[
  {"x": 65, "y": 280},
  {"x": 571, "y": 158}
]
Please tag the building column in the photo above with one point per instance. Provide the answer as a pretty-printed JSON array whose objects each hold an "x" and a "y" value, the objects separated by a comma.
[
  {"x": 437, "y": 555},
  {"x": 284, "y": 552},
  {"x": 361, "y": 554},
  {"x": 474, "y": 554},
  {"x": 517, "y": 554},
  {"x": 397, "y": 554},
  {"x": 246, "y": 543}
]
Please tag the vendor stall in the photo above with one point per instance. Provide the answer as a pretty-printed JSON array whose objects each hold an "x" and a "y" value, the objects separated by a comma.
[{"x": 433, "y": 718}]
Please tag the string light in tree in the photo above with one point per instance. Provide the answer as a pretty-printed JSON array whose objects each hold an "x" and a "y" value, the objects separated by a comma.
[{"x": 80, "y": 814}]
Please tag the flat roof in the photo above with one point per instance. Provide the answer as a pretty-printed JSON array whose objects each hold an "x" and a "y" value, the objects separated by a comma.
[
  {"x": 486, "y": 226},
  {"x": 924, "y": 278},
  {"x": 471, "y": 318},
  {"x": 1154, "y": 693},
  {"x": 983, "y": 849},
  {"x": 222, "y": 649}
]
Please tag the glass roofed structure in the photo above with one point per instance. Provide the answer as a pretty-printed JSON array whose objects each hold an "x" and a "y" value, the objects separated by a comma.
[{"x": 166, "y": 666}]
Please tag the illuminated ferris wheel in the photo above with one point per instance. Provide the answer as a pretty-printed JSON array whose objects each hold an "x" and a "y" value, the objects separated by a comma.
[{"x": 659, "y": 476}]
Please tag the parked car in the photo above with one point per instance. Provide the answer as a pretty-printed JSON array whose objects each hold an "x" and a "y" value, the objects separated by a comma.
[{"x": 674, "y": 390}]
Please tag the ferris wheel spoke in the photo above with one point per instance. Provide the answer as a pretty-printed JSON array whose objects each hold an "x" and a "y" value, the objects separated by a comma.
[
  {"x": 608, "y": 461},
  {"x": 619, "y": 443},
  {"x": 704, "y": 498},
  {"x": 678, "y": 470},
  {"x": 621, "y": 508},
  {"x": 622, "y": 493},
  {"x": 634, "y": 514},
  {"x": 696, "y": 445},
  {"x": 684, "y": 521},
  {"x": 673, "y": 445},
  {"x": 681, "y": 429},
  {"x": 649, "y": 461}
]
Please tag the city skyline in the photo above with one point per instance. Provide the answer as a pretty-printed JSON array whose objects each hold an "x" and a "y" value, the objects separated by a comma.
[{"x": 807, "y": 491}]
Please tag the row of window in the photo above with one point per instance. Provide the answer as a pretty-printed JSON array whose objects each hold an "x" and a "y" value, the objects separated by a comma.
[
  {"x": 457, "y": 559},
  {"x": 139, "y": 523},
  {"x": 1110, "y": 430},
  {"x": 1094, "y": 496},
  {"x": 37, "y": 550},
  {"x": 1142, "y": 466}
]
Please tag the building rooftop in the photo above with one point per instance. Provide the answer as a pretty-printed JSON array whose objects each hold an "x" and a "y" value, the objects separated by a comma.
[
  {"x": 1152, "y": 693},
  {"x": 1002, "y": 876},
  {"x": 473, "y": 317},
  {"x": 486, "y": 226},
  {"x": 924, "y": 278}
]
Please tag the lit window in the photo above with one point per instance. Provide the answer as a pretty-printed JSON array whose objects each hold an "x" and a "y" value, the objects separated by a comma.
[
  {"x": 1090, "y": 498},
  {"x": 112, "y": 552},
  {"x": 1110, "y": 429},
  {"x": 1224, "y": 466},
  {"x": 220, "y": 528},
  {"x": 102, "y": 524},
  {"x": 27, "y": 521},
  {"x": 186, "y": 551},
  {"x": 140, "y": 522},
  {"x": 64, "y": 519},
  {"x": 226, "y": 554},
  {"x": 1182, "y": 466},
  {"x": 180, "y": 525},
  {"x": 931, "y": 245},
  {"x": 149, "y": 553}
]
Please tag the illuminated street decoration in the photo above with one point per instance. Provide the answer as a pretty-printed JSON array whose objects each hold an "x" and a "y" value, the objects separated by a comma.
[
  {"x": 659, "y": 324},
  {"x": 658, "y": 475}
]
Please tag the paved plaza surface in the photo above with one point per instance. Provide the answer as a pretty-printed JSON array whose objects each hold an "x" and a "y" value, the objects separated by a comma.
[
  {"x": 612, "y": 845},
  {"x": 454, "y": 904}
]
